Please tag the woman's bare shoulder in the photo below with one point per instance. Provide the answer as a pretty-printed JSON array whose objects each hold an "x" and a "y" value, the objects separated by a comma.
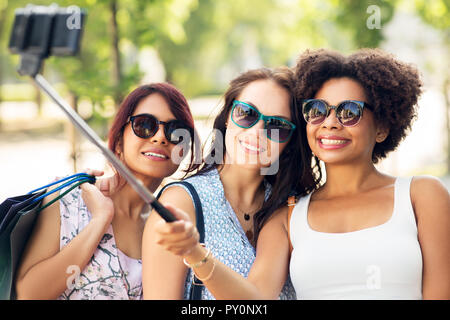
[{"x": 429, "y": 196}]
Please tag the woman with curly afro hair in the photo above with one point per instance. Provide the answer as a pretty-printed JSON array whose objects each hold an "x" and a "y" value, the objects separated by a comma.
[
  {"x": 362, "y": 234},
  {"x": 365, "y": 234}
]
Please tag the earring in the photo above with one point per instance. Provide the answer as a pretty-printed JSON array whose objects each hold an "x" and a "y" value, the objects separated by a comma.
[{"x": 380, "y": 137}]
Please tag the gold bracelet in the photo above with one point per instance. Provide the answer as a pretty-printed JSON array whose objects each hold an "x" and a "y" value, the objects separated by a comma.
[
  {"x": 209, "y": 275},
  {"x": 200, "y": 263}
]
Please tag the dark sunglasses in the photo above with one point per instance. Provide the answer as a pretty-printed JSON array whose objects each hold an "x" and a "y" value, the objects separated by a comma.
[
  {"x": 246, "y": 116},
  {"x": 348, "y": 112},
  {"x": 146, "y": 126}
]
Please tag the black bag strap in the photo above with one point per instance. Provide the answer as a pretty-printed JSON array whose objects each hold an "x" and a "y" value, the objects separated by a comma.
[{"x": 196, "y": 286}]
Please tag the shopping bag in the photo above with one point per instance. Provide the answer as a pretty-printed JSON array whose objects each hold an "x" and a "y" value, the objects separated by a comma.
[
  {"x": 17, "y": 218},
  {"x": 13, "y": 240}
]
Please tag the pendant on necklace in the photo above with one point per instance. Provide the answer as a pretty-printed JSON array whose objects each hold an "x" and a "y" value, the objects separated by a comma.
[{"x": 246, "y": 216}]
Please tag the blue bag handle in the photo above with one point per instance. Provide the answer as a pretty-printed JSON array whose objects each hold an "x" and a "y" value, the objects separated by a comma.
[
  {"x": 79, "y": 182},
  {"x": 61, "y": 180},
  {"x": 78, "y": 177}
]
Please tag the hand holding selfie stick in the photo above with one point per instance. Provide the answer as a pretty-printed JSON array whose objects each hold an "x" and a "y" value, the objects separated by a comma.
[{"x": 31, "y": 64}]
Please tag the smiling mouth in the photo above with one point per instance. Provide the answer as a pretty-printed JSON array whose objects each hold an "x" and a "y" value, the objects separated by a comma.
[
  {"x": 157, "y": 155},
  {"x": 332, "y": 142},
  {"x": 251, "y": 147}
]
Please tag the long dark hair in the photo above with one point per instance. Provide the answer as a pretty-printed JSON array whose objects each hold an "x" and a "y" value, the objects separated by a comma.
[{"x": 295, "y": 175}]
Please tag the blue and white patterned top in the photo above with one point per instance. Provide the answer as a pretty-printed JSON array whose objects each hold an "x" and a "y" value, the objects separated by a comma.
[{"x": 224, "y": 234}]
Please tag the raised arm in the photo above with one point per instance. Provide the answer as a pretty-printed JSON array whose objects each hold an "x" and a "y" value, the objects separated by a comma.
[
  {"x": 431, "y": 202},
  {"x": 267, "y": 275},
  {"x": 164, "y": 274},
  {"x": 43, "y": 272}
]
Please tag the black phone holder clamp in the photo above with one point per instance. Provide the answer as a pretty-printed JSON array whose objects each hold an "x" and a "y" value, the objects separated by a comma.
[{"x": 40, "y": 31}]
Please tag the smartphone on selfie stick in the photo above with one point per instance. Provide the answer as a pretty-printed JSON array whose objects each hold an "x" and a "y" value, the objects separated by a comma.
[{"x": 39, "y": 32}]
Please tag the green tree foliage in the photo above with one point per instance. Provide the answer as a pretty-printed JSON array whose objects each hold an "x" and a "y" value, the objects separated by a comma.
[
  {"x": 205, "y": 43},
  {"x": 223, "y": 38},
  {"x": 90, "y": 74},
  {"x": 437, "y": 14},
  {"x": 358, "y": 19}
]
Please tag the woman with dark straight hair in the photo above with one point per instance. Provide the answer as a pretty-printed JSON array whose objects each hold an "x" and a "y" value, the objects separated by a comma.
[
  {"x": 178, "y": 107},
  {"x": 259, "y": 156},
  {"x": 88, "y": 246}
]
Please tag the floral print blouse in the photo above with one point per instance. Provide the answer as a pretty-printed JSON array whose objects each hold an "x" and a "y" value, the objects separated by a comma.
[{"x": 110, "y": 274}]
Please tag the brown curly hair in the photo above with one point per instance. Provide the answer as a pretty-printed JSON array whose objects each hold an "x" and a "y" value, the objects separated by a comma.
[{"x": 391, "y": 87}]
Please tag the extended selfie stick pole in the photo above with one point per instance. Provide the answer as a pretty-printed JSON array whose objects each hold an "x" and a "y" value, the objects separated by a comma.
[
  {"x": 57, "y": 31},
  {"x": 93, "y": 137}
]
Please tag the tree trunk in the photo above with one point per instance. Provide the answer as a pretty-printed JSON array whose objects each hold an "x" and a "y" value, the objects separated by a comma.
[
  {"x": 1, "y": 81},
  {"x": 115, "y": 54},
  {"x": 2, "y": 31},
  {"x": 38, "y": 99},
  {"x": 447, "y": 118},
  {"x": 73, "y": 134}
]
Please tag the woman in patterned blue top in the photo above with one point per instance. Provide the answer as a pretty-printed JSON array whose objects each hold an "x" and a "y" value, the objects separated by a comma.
[{"x": 247, "y": 175}]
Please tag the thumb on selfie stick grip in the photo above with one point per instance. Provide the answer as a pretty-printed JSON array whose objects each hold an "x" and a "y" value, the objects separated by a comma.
[{"x": 163, "y": 211}]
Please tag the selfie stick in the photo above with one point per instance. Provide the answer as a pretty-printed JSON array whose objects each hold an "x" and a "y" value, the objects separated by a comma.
[
  {"x": 66, "y": 42},
  {"x": 94, "y": 138}
]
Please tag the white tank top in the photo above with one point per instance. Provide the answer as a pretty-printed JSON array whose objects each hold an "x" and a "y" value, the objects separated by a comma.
[{"x": 380, "y": 262}]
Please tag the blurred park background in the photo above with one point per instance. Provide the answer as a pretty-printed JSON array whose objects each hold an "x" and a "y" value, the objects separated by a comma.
[{"x": 200, "y": 45}]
